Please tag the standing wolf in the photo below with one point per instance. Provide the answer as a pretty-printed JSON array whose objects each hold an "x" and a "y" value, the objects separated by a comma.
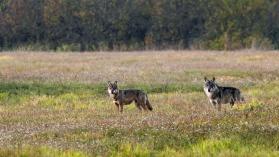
[
  {"x": 126, "y": 97},
  {"x": 221, "y": 95}
]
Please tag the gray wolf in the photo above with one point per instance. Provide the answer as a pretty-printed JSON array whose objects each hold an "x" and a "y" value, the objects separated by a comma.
[
  {"x": 221, "y": 95},
  {"x": 126, "y": 97}
]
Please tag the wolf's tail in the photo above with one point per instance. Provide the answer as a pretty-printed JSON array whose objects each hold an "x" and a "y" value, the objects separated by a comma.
[
  {"x": 148, "y": 105},
  {"x": 240, "y": 97}
]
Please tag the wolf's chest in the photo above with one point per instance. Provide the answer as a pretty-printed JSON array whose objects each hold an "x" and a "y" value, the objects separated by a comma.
[
  {"x": 207, "y": 93},
  {"x": 116, "y": 101},
  {"x": 212, "y": 95}
]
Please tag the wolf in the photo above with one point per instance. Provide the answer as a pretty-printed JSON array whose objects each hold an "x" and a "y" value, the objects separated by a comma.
[
  {"x": 221, "y": 95},
  {"x": 126, "y": 97}
]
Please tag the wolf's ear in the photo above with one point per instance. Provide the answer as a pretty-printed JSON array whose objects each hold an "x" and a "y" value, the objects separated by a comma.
[
  {"x": 115, "y": 82},
  {"x": 213, "y": 79},
  {"x": 109, "y": 83},
  {"x": 205, "y": 79}
]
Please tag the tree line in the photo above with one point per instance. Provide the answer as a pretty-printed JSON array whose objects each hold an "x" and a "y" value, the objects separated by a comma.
[{"x": 89, "y": 25}]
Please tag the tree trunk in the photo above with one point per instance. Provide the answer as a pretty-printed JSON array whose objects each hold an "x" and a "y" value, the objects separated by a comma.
[{"x": 228, "y": 41}]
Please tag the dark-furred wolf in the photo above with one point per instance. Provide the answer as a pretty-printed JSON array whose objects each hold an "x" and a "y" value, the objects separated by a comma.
[
  {"x": 221, "y": 95},
  {"x": 126, "y": 97}
]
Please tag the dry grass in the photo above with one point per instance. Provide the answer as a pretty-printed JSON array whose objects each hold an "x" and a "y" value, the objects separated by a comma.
[
  {"x": 58, "y": 100},
  {"x": 136, "y": 67}
]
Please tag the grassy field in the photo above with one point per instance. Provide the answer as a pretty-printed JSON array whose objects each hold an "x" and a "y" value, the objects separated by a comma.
[{"x": 55, "y": 104}]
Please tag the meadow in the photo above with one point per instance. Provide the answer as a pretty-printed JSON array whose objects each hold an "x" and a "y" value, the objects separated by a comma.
[{"x": 55, "y": 104}]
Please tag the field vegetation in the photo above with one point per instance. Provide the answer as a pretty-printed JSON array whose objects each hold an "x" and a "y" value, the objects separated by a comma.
[{"x": 55, "y": 104}]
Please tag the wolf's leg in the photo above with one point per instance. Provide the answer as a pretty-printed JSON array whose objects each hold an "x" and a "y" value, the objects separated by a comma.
[
  {"x": 121, "y": 108},
  {"x": 143, "y": 105},
  {"x": 213, "y": 103},
  {"x": 148, "y": 105},
  {"x": 117, "y": 105},
  {"x": 138, "y": 105},
  {"x": 232, "y": 102},
  {"x": 141, "y": 102},
  {"x": 219, "y": 105}
]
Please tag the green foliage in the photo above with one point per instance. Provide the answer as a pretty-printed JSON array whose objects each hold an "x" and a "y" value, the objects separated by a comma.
[
  {"x": 69, "y": 25},
  {"x": 232, "y": 24}
]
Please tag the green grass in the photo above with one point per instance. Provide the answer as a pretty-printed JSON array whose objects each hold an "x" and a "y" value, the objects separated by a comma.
[
  {"x": 15, "y": 88},
  {"x": 39, "y": 152},
  {"x": 211, "y": 147},
  {"x": 242, "y": 144},
  {"x": 13, "y": 93}
]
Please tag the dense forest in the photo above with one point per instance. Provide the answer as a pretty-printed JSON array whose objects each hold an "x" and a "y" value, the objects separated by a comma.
[{"x": 92, "y": 25}]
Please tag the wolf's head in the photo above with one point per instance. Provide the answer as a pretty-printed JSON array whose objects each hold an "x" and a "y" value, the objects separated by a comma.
[
  {"x": 210, "y": 86},
  {"x": 112, "y": 88}
]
